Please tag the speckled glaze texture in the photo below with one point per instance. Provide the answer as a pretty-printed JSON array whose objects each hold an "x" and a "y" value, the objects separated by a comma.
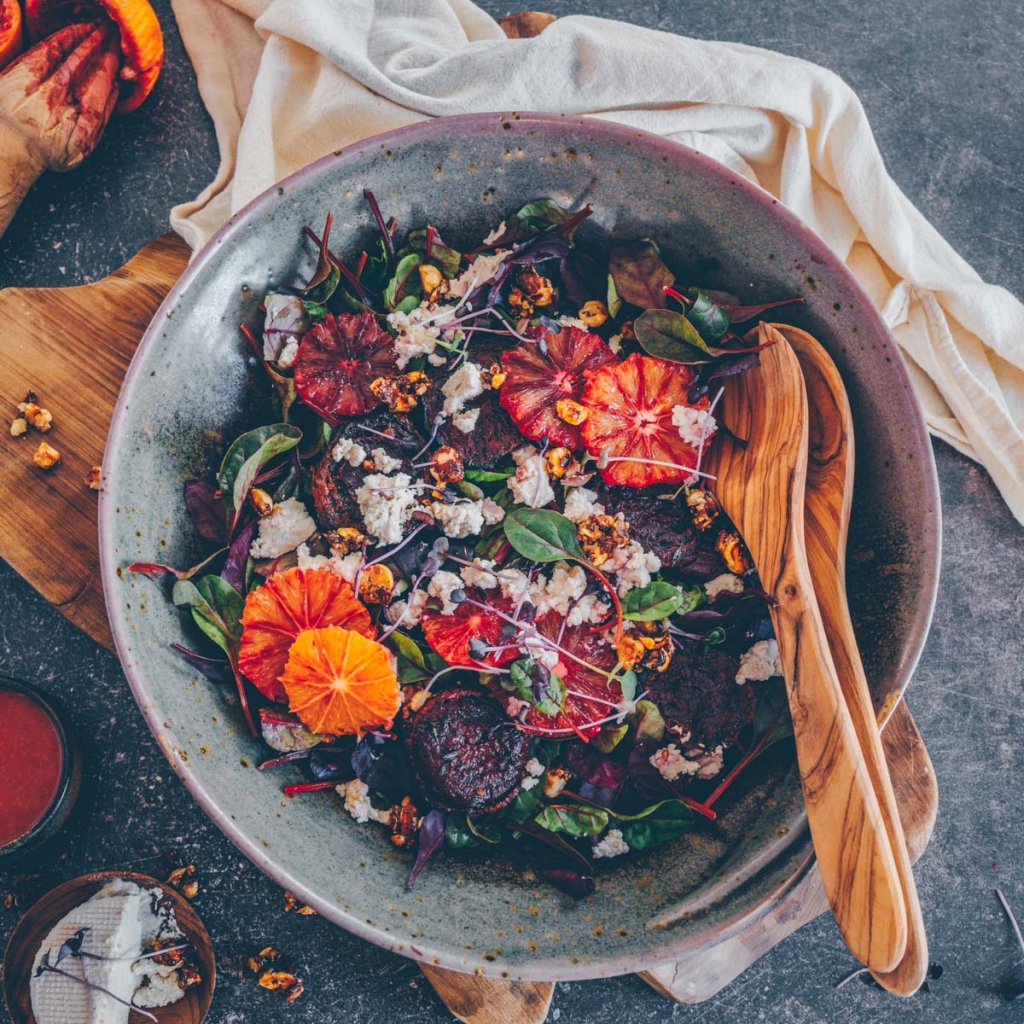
[{"x": 191, "y": 388}]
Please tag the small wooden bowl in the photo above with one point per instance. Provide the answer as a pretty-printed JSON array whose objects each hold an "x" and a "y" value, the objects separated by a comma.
[{"x": 31, "y": 931}]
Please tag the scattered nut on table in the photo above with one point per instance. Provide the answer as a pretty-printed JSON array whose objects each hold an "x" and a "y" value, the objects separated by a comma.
[
  {"x": 92, "y": 478},
  {"x": 46, "y": 456}
]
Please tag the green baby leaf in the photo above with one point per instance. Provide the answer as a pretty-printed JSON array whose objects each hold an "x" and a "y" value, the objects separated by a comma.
[{"x": 542, "y": 535}]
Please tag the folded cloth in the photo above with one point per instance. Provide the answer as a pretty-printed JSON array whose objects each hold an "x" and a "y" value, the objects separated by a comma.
[{"x": 287, "y": 81}]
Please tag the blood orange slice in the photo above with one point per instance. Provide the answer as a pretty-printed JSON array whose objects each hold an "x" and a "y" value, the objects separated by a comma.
[
  {"x": 340, "y": 682},
  {"x": 579, "y": 713},
  {"x": 288, "y": 603},
  {"x": 540, "y": 374},
  {"x": 629, "y": 418},
  {"x": 338, "y": 360},
  {"x": 450, "y": 635},
  {"x": 10, "y": 31}
]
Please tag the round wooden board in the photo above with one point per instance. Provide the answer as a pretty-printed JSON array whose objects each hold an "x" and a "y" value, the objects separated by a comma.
[{"x": 39, "y": 919}]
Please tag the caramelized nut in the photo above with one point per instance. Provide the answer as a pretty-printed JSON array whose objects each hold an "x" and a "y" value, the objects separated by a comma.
[
  {"x": 345, "y": 540},
  {"x": 431, "y": 279},
  {"x": 376, "y": 584},
  {"x": 261, "y": 501},
  {"x": 37, "y": 417},
  {"x": 92, "y": 478},
  {"x": 557, "y": 462},
  {"x": 600, "y": 535},
  {"x": 45, "y": 457},
  {"x": 570, "y": 412},
  {"x": 733, "y": 552},
  {"x": 401, "y": 392},
  {"x": 448, "y": 466},
  {"x": 703, "y": 506},
  {"x": 405, "y": 822},
  {"x": 18, "y": 426},
  {"x": 555, "y": 780},
  {"x": 593, "y": 313}
]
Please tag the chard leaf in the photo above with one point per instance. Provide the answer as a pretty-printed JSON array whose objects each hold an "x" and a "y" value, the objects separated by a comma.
[
  {"x": 206, "y": 511},
  {"x": 448, "y": 260},
  {"x": 525, "y": 804},
  {"x": 488, "y": 834},
  {"x": 609, "y": 737},
  {"x": 156, "y": 570},
  {"x": 709, "y": 320},
  {"x": 413, "y": 665},
  {"x": 542, "y": 535},
  {"x": 573, "y": 821},
  {"x": 247, "y": 456},
  {"x": 287, "y": 318},
  {"x": 404, "y": 283},
  {"x": 237, "y": 568},
  {"x": 669, "y": 335},
  {"x": 214, "y": 611},
  {"x": 457, "y": 834},
  {"x": 613, "y": 302},
  {"x": 648, "y": 723},
  {"x": 740, "y": 314},
  {"x": 658, "y": 600},
  {"x": 657, "y": 824},
  {"x": 217, "y": 670},
  {"x": 639, "y": 275},
  {"x": 489, "y": 476},
  {"x": 535, "y": 217},
  {"x": 627, "y": 683},
  {"x": 283, "y": 732}
]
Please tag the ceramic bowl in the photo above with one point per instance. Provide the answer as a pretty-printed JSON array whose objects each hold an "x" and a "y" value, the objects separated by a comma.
[{"x": 191, "y": 387}]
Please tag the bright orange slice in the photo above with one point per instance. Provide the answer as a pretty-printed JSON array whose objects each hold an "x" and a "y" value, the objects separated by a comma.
[
  {"x": 276, "y": 613},
  {"x": 340, "y": 682}
]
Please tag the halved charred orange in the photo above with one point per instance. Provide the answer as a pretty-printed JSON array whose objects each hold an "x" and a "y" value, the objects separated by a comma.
[
  {"x": 11, "y": 35},
  {"x": 142, "y": 42},
  {"x": 288, "y": 603}
]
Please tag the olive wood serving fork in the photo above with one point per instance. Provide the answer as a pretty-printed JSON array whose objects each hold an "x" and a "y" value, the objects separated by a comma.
[{"x": 761, "y": 486}]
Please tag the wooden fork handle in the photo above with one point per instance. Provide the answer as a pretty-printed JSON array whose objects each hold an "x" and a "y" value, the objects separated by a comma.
[{"x": 850, "y": 838}]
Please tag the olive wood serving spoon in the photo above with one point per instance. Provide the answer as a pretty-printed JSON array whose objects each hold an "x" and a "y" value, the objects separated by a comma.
[
  {"x": 828, "y": 500},
  {"x": 761, "y": 487}
]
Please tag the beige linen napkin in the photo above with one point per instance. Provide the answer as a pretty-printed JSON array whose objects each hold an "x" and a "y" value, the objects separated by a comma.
[{"x": 287, "y": 81}]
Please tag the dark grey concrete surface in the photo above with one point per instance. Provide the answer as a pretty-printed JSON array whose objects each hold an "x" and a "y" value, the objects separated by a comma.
[{"x": 941, "y": 82}]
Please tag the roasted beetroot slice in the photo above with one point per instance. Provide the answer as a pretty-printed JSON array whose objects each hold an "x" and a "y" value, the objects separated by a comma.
[
  {"x": 664, "y": 527},
  {"x": 578, "y": 715},
  {"x": 334, "y": 484},
  {"x": 467, "y": 753},
  {"x": 629, "y": 416},
  {"x": 337, "y": 361},
  {"x": 697, "y": 694},
  {"x": 538, "y": 375},
  {"x": 449, "y": 635}
]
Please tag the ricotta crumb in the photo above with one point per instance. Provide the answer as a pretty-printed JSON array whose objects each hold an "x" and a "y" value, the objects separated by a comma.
[
  {"x": 514, "y": 584},
  {"x": 357, "y": 802},
  {"x": 492, "y": 511},
  {"x": 588, "y": 609},
  {"x": 408, "y": 612},
  {"x": 571, "y": 321},
  {"x": 528, "y": 783},
  {"x": 612, "y": 845},
  {"x": 441, "y": 586},
  {"x": 671, "y": 764},
  {"x": 348, "y": 451},
  {"x": 530, "y": 484},
  {"x": 694, "y": 425},
  {"x": 761, "y": 662},
  {"x": 386, "y": 503},
  {"x": 383, "y": 462},
  {"x": 725, "y": 582},
  {"x": 495, "y": 234},
  {"x": 345, "y": 566},
  {"x": 541, "y": 651},
  {"x": 479, "y": 272},
  {"x": 287, "y": 526},
  {"x": 466, "y": 420},
  {"x": 465, "y": 384},
  {"x": 581, "y": 502},
  {"x": 615, "y": 343},
  {"x": 711, "y": 764},
  {"x": 479, "y": 575},
  {"x": 632, "y": 566},
  {"x": 416, "y": 332},
  {"x": 556, "y": 594},
  {"x": 459, "y": 519},
  {"x": 534, "y": 767}
]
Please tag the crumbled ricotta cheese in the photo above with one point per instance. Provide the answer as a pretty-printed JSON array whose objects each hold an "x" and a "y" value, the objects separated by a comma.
[
  {"x": 556, "y": 594},
  {"x": 514, "y": 705},
  {"x": 528, "y": 783},
  {"x": 694, "y": 425},
  {"x": 534, "y": 767},
  {"x": 441, "y": 586},
  {"x": 345, "y": 566},
  {"x": 416, "y": 332},
  {"x": 588, "y": 608},
  {"x": 466, "y": 420},
  {"x": 727, "y": 582},
  {"x": 632, "y": 566},
  {"x": 495, "y": 234},
  {"x": 357, "y": 802},
  {"x": 612, "y": 845},
  {"x": 671, "y": 764},
  {"x": 459, "y": 519},
  {"x": 514, "y": 584},
  {"x": 540, "y": 650},
  {"x": 386, "y": 503},
  {"x": 465, "y": 384},
  {"x": 383, "y": 462},
  {"x": 761, "y": 662},
  {"x": 287, "y": 526},
  {"x": 479, "y": 574},
  {"x": 571, "y": 321},
  {"x": 349, "y": 451},
  {"x": 711, "y": 764},
  {"x": 615, "y": 343},
  {"x": 407, "y": 613},
  {"x": 492, "y": 511},
  {"x": 530, "y": 484},
  {"x": 481, "y": 270},
  {"x": 581, "y": 502}
]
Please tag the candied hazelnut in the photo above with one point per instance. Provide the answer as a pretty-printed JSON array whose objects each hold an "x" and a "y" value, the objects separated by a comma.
[
  {"x": 649, "y": 652},
  {"x": 448, "y": 467},
  {"x": 401, "y": 392},
  {"x": 570, "y": 412},
  {"x": 293, "y": 905},
  {"x": 555, "y": 780},
  {"x": 18, "y": 426},
  {"x": 733, "y": 552},
  {"x": 45, "y": 457},
  {"x": 703, "y": 506},
  {"x": 627, "y": 332},
  {"x": 593, "y": 313},
  {"x": 557, "y": 462},
  {"x": 261, "y": 501},
  {"x": 345, "y": 540},
  {"x": 92, "y": 478},
  {"x": 405, "y": 822},
  {"x": 431, "y": 279},
  {"x": 36, "y": 416},
  {"x": 538, "y": 290},
  {"x": 519, "y": 302},
  {"x": 600, "y": 535},
  {"x": 186, "y": 880},
  {"x": 493, "y": 377},
  {"x": 376, "y": 584}
]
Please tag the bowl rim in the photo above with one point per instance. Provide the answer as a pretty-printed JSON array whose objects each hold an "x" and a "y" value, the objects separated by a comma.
[{"x": 548, "y": 968}]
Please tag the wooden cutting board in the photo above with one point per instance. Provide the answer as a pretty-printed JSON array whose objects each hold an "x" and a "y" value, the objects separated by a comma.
[{"x": 72, "y": 347}]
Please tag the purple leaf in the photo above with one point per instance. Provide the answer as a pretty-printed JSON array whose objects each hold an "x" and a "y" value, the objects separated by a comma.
[
  {"x": 549, "y": 246},
  {"x": 233, "y": 572},
  {"x": 639, "y": 274},
  {"x": 595, "y": 768},
  {"x": 646, "y": 779},
  {"x": 383, "y": 765},
  {"x": 431, "y": 840},
  {"x": 206, "y": 511},
  {"x": 728, "y": 367},
  {"x": 740, "y": 314},
  {"x": 284, "y": 732},
  {"x": 573, "y": 883},
  {"x": 603, "y": 797},
  {"x": 217, "y": 670}
]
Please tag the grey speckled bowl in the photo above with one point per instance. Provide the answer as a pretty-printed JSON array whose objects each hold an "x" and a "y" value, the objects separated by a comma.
[{"x": 190, "y": 387}]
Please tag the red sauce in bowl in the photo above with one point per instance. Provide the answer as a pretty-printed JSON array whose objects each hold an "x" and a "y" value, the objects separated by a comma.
[{"x": 31, "y": 764}]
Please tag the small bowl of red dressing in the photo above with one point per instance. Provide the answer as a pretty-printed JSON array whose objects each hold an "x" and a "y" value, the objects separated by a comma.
[{"x": 40, "y": 768}]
